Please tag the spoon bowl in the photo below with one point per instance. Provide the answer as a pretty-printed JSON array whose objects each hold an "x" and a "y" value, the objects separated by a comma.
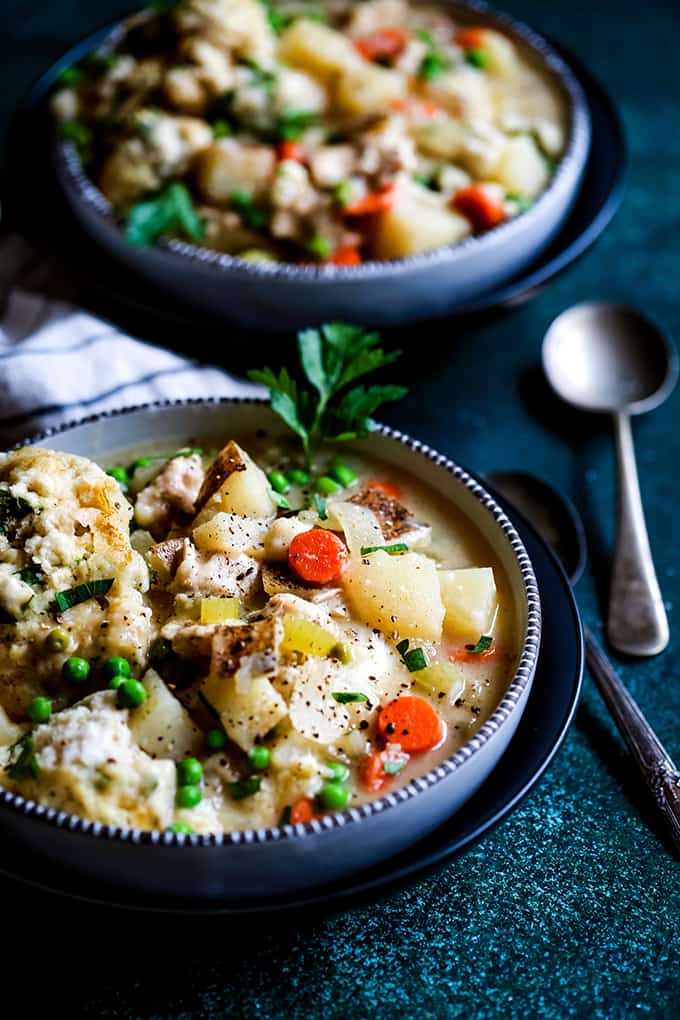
[{"x": 608, "y": 358}]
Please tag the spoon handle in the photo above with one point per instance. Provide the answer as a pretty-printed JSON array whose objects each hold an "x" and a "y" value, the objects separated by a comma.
[
  {"x": 637, "y": 623},
  {"x": 656, "y": 767}
]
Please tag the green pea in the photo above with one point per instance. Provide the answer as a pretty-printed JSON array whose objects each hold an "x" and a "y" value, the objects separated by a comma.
[
  {"x": 117, "y": 666},
  {"x": 159, "y": 650},
  {"x": 188, "y": 796},
  {"x": 58, "y": 640},
  {"x": 215, "y": 739},
  {"x": 181, "y": 828},
  {"x": 342, "y": 474},
  {"x": 333, "y": 796},
  {"x": 131, "y": 694},
  {"x": 259, "y": 758},
  {"x": 120, "y": 474},
  {"x": 115, "y": 682},
  {"x": 319, "y": 246},
  {"x": 278, "y": 482},
  {"x": 75, "y": 670},
  {"x": 298, "y": 477},
  {"x": 326, "y": 486},
  {"x": 338, "y": 773},
  {"x": 189, "y": 772},
  {"x": 40, "y": 710}
]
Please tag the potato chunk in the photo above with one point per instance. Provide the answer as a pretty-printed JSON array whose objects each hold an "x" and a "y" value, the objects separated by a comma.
[
  {"x": 234, "y": 485},
  {"x": 397, "y": 594},
  {"x": 161, "y": 726},
  {"x": 228, "y": 166},
  {"x": 317, "y": 49},
  {"x": 232, "y": 533},
  {"x": 522, "y": 169},
  {"x": 470, "y": 600},
  {"x": 416, "y": 223},
  {"x": 368, "y": 88},
  {"x": 247, "y": 709}
]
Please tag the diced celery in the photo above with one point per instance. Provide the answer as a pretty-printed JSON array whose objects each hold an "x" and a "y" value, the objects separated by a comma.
[
  {"x": 305, "y": 636},
  {"x": 220, "y": 609}
]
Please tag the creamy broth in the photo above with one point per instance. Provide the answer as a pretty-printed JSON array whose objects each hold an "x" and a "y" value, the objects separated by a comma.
[{"x": 202, "y": 673}]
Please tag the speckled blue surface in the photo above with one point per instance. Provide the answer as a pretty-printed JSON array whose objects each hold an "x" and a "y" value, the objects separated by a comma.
[{"x": 571, "y": 907}]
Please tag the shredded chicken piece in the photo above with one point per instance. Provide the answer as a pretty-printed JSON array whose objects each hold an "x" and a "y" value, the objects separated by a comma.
[
  {"x": 200, "y": 573},
  {"x": 172, "y": 493}
]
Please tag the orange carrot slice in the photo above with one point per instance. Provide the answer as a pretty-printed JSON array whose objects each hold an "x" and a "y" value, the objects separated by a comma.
[
  {"x": 317, "y": 556},
  {"x": 386, "y": 43},
  {"x": 470, "y": 38},
  {"x": 302, "y": 810},
  {"x": 480, "y": 206},
  {"x": 345, "y": 255},
  {"x": 374, "y": 202},
  {"x": 412, "y": 722},
  {"x": 290, "y": 150},
  {"x": 382, "y": 485}
]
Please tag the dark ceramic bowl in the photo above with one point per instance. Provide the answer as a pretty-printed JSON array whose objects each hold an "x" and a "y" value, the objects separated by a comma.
[
  {"x": 265, "y": 863},
  {"x": 427, "y": 285}
]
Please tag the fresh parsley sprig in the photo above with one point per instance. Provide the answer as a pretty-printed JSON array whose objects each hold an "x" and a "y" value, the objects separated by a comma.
[
  {"x": 332, "y": 411},
  {"x": 171, "y": 211},
  {"x": 413, "y": 658}
]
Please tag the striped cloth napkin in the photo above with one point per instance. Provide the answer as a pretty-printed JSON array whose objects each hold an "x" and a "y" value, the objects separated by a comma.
[{"x": 59, "y": 362}]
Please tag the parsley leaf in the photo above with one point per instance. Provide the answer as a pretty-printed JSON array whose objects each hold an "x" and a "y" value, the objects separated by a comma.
[
  {"x": 392, "y": 768},
  {"x": 482, "y": 645},
  {"x": 348, "y": 697},
  {"x": 413, "y": 659},
  {"x": 397, "y": 547},
  {"x": 245, "y": 788},
  {"x": 171, "y": 210},
  {"x": 320, "y": 506},
  {"x": 252, "y": 216},
  {"x": 32, "y": 576},
  {"x": 26, "y": 765},
  {"x": 434, "y": 63},
  {"x": 332, "y": 357},
  {"x": 81, "y": 593},
  {"x": 12, "y": 510}
]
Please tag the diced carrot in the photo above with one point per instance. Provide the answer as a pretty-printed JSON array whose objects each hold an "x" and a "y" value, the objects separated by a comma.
[
  {"x": 480, "y": 206},
  {"x": 470, "y": 38},
  {"x": 317, "y": 556},
  {"x": 345, "y": 255},
  {"x": 374, "y": 202},
  {"x": 465, "y": 655},
  {"x": 386, "y": 43},
  {"x": 412, "y": 722},
  {"x": 389, "y": 488},
  {"x": 372, "y": 771},
  {"x": 290, "y": 150},
  {"x": 302, "y": 810},
  {"x": 417, "y": 107}
]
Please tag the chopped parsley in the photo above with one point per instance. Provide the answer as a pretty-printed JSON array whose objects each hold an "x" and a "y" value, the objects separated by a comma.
[
  {"x": 397, "y": 547},
  {"x": 250, "y": 213},
  {"x": 477, "y": 58},
  {"x": 12, "y": 510},
  {"x": 221, "y": 128},
  {"x": 279, "y": 498},
  {"x": 81, "y": 593},
  {"x": 482, "y": 645},
  {"x": 171, "y": 211},
  {"x": 320, "y": 506},
  {"x": 434, "y": 63},
  {"x": 32, "y": 576},
  {"x": 330, "y": 411},
  {"x": 349, "y": 697},
  {"x": 77, "y": 132},
  {"x": 245, "y": 788},
  {"x": 70, "y": 76},
  {"x": 414, "y": 659},
  {"x": 521, "y": 201},
  {"x": 26, "y": 765},
  {"x": 392, "y": 768}
]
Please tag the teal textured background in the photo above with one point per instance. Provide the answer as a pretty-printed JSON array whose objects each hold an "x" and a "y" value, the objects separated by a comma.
[{"x": 571, "y": 907}]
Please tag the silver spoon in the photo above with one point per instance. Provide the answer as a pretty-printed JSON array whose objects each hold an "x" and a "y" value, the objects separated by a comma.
[
  {"x": 608, "y": 358},
  {"x": 556, "y": 519}
]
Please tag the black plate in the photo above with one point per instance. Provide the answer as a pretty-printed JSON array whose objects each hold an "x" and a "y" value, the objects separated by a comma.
[
  {"x": 36, "y": 208},
  {"x": 542, "y": 729}
]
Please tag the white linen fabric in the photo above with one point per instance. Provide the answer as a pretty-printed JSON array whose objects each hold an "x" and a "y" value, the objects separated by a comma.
[{"x": 59, "y": 363}]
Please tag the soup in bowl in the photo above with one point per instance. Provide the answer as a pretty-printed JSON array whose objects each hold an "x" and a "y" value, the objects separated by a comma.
[{"x": 209, "y": 650}]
